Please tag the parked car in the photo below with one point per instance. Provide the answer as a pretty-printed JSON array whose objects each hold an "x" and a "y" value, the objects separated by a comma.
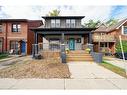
[{"x": 119, "y": 55}]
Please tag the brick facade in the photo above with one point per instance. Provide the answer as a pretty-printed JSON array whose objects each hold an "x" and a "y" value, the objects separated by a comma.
[{"x": 24, "y": 34}]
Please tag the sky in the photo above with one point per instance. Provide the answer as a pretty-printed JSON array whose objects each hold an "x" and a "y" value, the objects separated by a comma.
[{"x": 102, "y": 13}]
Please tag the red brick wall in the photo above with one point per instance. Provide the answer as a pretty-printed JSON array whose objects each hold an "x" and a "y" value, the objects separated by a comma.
[
  {"x": 7, "y": 33},
  {"x": 30, "y": 36},
  {"x": 24, "y": 34}
]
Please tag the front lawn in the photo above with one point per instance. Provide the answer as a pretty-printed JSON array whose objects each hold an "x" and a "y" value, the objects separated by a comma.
[
  {"x": 46, "y": 68},
  {"x": 3, "y": 55},
  {"x": 113, "y": 68}
]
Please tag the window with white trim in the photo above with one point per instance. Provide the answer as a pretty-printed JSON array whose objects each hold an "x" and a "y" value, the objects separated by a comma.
[
  {"x": 16, "y": 27},
  {"x": 55, "y": 23},
  {"x": 68, "y": 23},
  {"x": 72, "y": 23},
  {"x": 125, "y": 30}
]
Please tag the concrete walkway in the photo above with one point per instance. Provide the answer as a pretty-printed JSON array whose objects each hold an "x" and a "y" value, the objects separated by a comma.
[
  {"x": 115, "y": 61},
  {"x": 84, "y": 76}
]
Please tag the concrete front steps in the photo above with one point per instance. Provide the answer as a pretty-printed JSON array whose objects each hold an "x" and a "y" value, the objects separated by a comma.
[{"x": 79, "y": 56}]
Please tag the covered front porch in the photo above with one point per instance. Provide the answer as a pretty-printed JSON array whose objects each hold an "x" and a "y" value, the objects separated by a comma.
[
  {"x": 58, "y": 41},
  {"x": 72, "y": 39}
]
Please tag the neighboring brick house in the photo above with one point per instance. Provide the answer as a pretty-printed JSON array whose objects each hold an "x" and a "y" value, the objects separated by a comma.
[
  {"x": 16, "y": 34},
  {"x": 103, "y": 41},
  {"x": 106, "y": 37},
  {"x": 119, "y": 29}
]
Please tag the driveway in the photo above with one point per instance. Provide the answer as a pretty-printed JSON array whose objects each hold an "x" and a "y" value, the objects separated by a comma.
[
  {"x": 85, "y": 75},
  {"x": 90, "y": 75}
]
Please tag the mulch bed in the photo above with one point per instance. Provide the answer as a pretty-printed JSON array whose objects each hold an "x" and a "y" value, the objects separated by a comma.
[{"x": 46, "y": 68}]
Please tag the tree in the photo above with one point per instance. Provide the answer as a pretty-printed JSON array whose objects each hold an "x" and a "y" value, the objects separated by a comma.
[
  {"x": 118, "y": 47},
  {"x": 111, "y": 22},
  {"x": 92, "y": 24},
  {"x": 54, "y": 13}
]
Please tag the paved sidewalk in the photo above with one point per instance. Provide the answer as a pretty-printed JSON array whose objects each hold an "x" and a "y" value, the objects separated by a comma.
[
  {"x": 117, "y": 62},
  {"x": 84, "y": 76}
]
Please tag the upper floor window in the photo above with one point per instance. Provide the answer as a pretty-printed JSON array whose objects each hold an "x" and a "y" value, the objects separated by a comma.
[
  {"x": 70, "y": 23},
  {"x": 16, "y": 27},
  {"x": 125, "y": 30},
  {"x": 55, "y": 23},
  {"x": 52, "y": 23},
  {"x": 0, "y": 27}
]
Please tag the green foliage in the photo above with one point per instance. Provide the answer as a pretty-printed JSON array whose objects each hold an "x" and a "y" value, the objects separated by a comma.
[
  {"x": 92, "y": 24},
  {"x": 118, "y": 47},
  {"x": 3, "y": 55},
  {"x": 111, "y": 22},
  {"x": 54, "y": 13}
]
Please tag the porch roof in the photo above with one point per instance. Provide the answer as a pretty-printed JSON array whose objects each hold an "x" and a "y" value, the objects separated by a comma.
[{"x": 63, "y": 30}]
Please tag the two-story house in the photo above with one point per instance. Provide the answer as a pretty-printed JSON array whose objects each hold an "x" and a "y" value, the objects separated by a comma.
[
  {"x": 103, "y": 41},
  {"x": 55, "y": 27},
  {"x": 15, "y": 34},
  {"x": 67, "y": 30},
  {"x": 105, "y": 38}
]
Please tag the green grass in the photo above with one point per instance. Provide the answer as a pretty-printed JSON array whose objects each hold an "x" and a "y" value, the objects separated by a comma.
[
  {"x": 114, "y": 69},
  {"x": 3, "y": 56}
]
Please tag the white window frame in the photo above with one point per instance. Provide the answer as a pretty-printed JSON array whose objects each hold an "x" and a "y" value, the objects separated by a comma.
[
  {"x": 16, "y": 27},
  {"x": 52, "y": 23},
  {"x": 123, "y": 30},
  {"x": 68, "y": 23},
  {"x": 57, "y": 24},
  {"x": 73, "y": 23}
]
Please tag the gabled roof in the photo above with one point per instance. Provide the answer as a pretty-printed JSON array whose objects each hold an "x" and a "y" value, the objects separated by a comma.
[
  {"x": 101, "y": 28},
  {"x": 118, "y": 25}
]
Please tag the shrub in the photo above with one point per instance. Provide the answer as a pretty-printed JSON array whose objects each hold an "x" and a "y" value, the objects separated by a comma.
[{"x": 118, "y": 47}]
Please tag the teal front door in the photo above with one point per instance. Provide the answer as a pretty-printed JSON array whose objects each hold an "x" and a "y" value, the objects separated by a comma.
[{"x": 72, "y": 44}]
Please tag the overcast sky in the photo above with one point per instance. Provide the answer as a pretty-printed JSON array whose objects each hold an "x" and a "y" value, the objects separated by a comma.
[{"x": 102, "y": 13}]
